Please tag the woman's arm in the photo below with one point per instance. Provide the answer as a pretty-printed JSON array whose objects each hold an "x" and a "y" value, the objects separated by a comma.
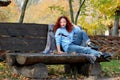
[
  {"x": 58, "y": 41},
  {"x": 59, "y": 50}
]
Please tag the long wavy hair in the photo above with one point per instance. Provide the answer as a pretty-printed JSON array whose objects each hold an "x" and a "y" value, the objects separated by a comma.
[{"x": 69, "y": 25}]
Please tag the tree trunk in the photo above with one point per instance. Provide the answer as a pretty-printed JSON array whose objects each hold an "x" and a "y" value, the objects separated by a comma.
[
  {"x": 81, "y": 2},
  {"x": 23, "y": 11},
  {"x": 71, "y": 11},
  {"x": 78, "y": 12},
  {"x": 115, "y": 27}
]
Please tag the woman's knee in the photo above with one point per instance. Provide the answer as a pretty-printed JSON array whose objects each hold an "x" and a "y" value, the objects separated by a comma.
[{"x": 75, "y": 48}]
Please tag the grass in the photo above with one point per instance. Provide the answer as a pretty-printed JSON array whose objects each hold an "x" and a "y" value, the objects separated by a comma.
[
  {"x": 57, "y": 71},
  {"x": 111, "y": 68}
]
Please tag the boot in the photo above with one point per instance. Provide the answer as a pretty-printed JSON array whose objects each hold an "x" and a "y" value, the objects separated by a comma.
[
  {"x": 108, "y": 59},
  {"x": 93, "y": 46},
  {"x": 106, "y": 56}
]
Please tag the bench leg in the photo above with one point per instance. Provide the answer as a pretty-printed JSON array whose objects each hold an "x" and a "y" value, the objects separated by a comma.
[
  {"x": 85, "y": 69},
  {"x": 36, "y": 71},
  {"x": 95, "y": 69},
  {"x": 71, "y": 69}
]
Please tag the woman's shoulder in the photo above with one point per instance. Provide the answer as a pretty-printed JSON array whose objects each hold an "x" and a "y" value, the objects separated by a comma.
[
  {"x": 76, "y": 27},
  {"x": 59, "y": 30}
]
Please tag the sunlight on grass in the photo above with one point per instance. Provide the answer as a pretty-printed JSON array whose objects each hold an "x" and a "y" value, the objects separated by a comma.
[{"x": 111, "y": 68}]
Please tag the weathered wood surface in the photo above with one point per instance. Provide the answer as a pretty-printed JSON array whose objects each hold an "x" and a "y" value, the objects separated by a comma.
[
  {"x": 23, "y": 37},
  {"x": 35, "y": 71},
  {"x": 11, "y": 59},
  {"x": 95, "y": 69},
  {"x": 22, "y": 44},
  {"x": 24, "y": 30},
  {"x": 32, "y": 58},
  {"x": 86, "y": 69}
]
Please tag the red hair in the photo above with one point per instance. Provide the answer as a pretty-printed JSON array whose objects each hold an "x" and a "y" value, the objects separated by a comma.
[{"x": 69, "y": 25}]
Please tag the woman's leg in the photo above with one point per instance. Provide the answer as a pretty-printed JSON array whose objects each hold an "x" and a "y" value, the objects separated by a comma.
[
  {"x": 80, "y": 37},
  {"x": 83, "y": 50}
]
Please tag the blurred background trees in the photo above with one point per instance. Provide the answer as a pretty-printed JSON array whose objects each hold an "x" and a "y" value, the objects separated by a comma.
[
  {"x": 95, "y": 16},
  {"x": 110, "y": 9}
]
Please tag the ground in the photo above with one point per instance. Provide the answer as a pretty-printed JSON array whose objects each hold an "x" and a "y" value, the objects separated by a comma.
[{"x": 111, "y": 71}]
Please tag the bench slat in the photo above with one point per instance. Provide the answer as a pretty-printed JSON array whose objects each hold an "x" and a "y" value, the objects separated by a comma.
[
  {"x": 25, "y": 59},
  {"x": 17, "y": 29},
  {"x": 22, "y": 44}
]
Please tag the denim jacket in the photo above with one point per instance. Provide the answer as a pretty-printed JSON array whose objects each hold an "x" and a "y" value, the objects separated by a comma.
[{"x": 63, "y": 38}]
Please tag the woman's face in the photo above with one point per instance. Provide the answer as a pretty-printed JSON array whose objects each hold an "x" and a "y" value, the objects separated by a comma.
[{"x": 63, "y": 22}]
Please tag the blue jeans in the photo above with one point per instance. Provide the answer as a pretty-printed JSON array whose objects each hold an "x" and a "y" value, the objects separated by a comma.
[
  {"x": 80, "y": 38},
  {"x": 77, "y": 45}
]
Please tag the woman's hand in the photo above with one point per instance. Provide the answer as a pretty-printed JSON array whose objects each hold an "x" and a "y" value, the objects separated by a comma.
[{"x": 60, "y": 52}]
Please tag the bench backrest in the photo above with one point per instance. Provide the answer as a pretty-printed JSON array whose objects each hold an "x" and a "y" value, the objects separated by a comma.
[{"x": 24, "y": 37}]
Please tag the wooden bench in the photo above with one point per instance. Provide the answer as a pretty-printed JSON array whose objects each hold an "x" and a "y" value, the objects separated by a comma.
[{"x": 25, "y": 43}]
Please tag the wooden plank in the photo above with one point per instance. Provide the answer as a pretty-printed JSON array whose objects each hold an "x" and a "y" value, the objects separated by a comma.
[
  {"x": 25, "y": 59},
  {"x": 22, "y": 44},
  {"x": 25, "y": 29}
]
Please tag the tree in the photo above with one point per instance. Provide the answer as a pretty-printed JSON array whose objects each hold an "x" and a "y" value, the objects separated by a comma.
[
  {"x": 23, "y": 11},
  {"x": 81, "y": 3},
  {"x": 116, "y": 22},
  {"x": 111, "y": 9},
  {"x": 72, "y": 12}
]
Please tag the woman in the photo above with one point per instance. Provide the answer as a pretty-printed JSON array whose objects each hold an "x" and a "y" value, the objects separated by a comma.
[{"x": 70, "y": 38}]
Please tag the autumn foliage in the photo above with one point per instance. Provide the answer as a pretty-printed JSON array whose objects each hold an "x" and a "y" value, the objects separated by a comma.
[{"x": 9, "y": 13}]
